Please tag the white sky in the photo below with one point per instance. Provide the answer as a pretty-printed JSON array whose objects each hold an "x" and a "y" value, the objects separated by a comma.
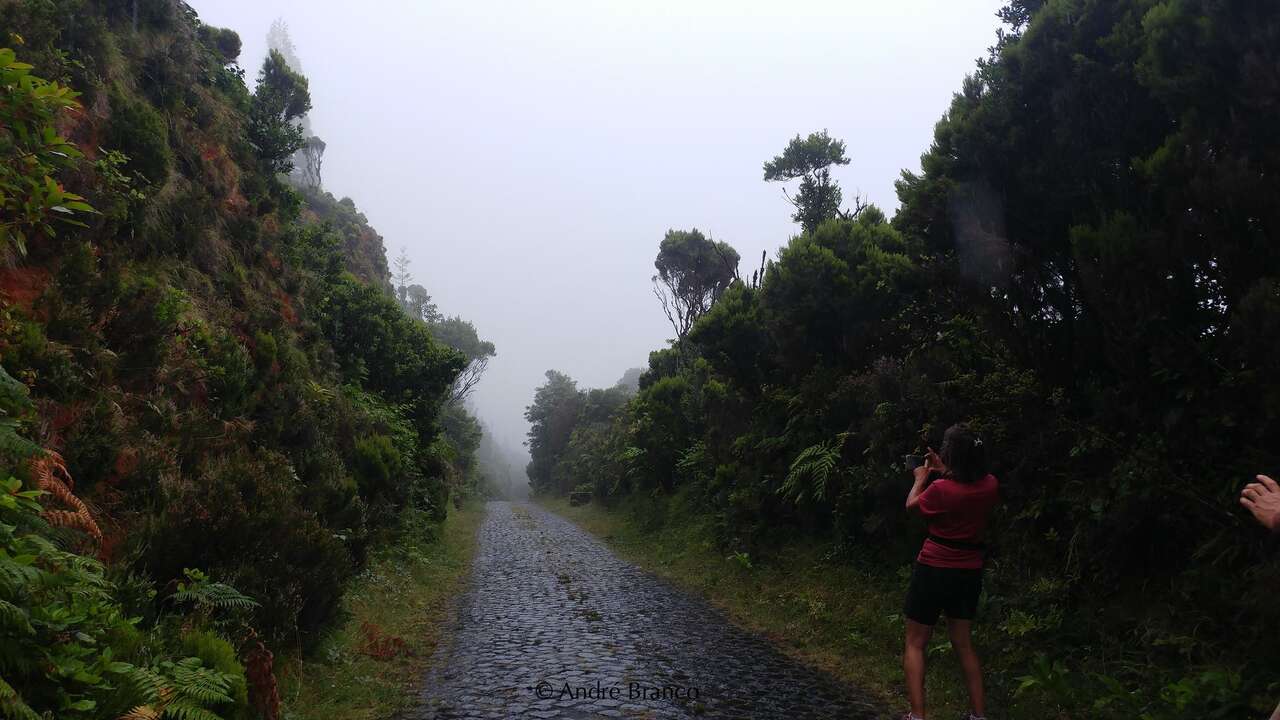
[{"x": 531, "y": 155}]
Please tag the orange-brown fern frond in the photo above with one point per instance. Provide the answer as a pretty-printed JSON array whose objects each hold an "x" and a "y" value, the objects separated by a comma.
[
  {"x": 51, "y": 476},
  {"x": 142, "y": 712},
  {"x": 259, "y": 671}
]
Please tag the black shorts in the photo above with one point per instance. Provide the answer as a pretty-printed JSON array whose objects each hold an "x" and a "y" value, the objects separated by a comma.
[{"x": 936, "y": 590}]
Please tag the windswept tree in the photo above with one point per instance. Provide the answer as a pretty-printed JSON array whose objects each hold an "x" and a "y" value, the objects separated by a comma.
[
  {"x": 693, "y": 271},
  {"x": 455, "y": 332},
  {"x": 280, "y": 98},
  {"x": 809, "y": 160},
  {"x": 461, "y": 335}
]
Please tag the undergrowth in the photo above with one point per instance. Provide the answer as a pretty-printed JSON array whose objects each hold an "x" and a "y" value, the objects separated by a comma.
[{"x": 370, "y": 666}]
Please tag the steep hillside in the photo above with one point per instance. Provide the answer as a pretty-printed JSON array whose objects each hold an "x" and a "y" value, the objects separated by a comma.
[{"x": 216, "y": 359}]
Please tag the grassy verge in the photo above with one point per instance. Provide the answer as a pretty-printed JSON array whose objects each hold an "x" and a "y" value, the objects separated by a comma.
[
  {"x": 363, "y": 671},
  {"x": 833, "y": 615}
]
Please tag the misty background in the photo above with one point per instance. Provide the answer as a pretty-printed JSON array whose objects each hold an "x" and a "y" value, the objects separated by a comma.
[{"x": 530, "y": 156}]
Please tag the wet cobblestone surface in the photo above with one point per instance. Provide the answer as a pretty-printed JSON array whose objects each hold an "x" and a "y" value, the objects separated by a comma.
[{"x": 548, "y": 603}]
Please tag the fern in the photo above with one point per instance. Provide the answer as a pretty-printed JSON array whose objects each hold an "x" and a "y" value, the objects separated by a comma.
[
  {"x": 51, "y": 475},
  {"x": 149, "y": 684},
  {"x": 810, "y": 473},
  {"x": 14, "y": 619},
  {"x": 207, "y": 595},
  {"x": 193, "y": 681},
  {"x": 184, "y": 690}
]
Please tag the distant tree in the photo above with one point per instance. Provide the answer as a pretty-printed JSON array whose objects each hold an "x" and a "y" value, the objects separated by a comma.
[
  {"x": 810, "y": 160},
  {"x": 693, "y": 271},
  {"x": 307, "y": 160},
  {"x": 552, "y": 418},
  {"x": 278, "y": 40},
  {"x": 401, "y": 278},
  {"x": 461, "y": 335},
  {"x": 280, "y": 98},
  {"x": 414, "y": 299},
  {"x": 630, "y": 380},
  {"x": 312, "y": 156},
  {"x": 418, "y": 305}
]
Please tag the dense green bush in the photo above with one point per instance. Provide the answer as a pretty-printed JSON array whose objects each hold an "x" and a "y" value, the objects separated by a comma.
[
  {"x": 267, "y": 542},
  {"x": 379, "y": 468},
  {"x": 142, "y": 133}
]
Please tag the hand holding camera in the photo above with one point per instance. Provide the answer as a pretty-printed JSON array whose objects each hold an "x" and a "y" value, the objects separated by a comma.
[{"x": 922, "y": 466}]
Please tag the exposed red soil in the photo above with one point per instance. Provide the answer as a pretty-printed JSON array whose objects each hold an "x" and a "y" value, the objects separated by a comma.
[{"x": 22, "y": 286}]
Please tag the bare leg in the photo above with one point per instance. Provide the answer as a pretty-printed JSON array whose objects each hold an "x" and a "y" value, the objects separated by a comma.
[
  {"x": 913, "y": 663},
  {"x": 1276, "y": 715},
  {"x": 961, "y": 640}
]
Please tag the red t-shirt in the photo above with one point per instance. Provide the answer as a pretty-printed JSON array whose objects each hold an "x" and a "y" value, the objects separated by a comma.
[{"x": 956, "y": 511}]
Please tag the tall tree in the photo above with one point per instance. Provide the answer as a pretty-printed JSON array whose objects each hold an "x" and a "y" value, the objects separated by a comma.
[
  {"x": 279, "y": 40},
  {"x": 810, "y": 160},
  {"x": 401, "y": 278},
  {"x": 693, "y": 271},
  {"x": 280, "y": 98}
]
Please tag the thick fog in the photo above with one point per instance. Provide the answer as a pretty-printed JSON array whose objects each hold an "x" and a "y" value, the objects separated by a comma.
[{"x": 531, "y": 155}]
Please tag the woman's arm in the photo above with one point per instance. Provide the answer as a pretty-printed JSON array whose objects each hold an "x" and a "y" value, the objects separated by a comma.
[
  {"x": 922, "y": 480},
  {"x": 932, "y": 464}
]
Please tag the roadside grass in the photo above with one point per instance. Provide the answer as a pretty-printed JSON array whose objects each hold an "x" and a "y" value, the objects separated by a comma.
[
  {"x": 837, "y": 616},
  {"x": 361, "y": 671}
]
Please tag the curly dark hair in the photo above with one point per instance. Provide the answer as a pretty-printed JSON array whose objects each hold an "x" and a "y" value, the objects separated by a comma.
[{"x": 964, "y": 454}]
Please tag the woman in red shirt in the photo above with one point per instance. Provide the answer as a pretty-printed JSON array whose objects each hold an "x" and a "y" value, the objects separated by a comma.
[{"x": 955, "y": 494}]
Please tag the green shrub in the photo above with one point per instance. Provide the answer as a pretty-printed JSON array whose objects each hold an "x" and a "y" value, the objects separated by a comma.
[
  {"x": 141, "y": 133},
  {"x": 379, "y": 468},
  {"x": 218, "y": 654},
  {"x": 225, "y": 41},
  {"x": 240, "y": 518}
]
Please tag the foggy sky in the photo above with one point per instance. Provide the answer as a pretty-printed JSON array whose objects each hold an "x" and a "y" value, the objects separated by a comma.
[{"x": 531, "y": 155}]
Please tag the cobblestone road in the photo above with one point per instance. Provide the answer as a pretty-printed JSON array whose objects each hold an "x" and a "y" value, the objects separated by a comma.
[{"x": 550, "y": 604}]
